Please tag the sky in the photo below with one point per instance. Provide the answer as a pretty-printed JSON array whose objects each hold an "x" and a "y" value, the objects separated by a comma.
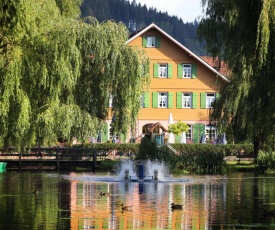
[{"x": 187, "y": 10}]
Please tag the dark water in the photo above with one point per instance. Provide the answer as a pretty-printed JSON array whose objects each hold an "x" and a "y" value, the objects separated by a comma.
[{"x": 72, "y": 201}]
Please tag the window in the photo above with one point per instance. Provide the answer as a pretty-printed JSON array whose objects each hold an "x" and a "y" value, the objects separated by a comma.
[
  {"x": 151, "y": 41},
  {"x": 162, "y": 100},
  {"x": 186, "y": 100},
  {"x": 210, "y": 97},
  {"x": 163, "y": 70},
  {"x": 210, "y": 132},
  {"x": 207, "y": 99},
  {"x": 113, "y": 136},
  {"x": 189, "y": 134},
  {"x": 187, "y": 70}
]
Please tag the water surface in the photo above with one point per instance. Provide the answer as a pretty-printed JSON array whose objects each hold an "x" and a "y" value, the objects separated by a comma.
[{"x": 72, "y": 201}]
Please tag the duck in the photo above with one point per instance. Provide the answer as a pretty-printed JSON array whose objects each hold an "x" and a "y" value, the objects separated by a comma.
[
  {"x": 126, "y": 208},
  {"x": 35, "y": 192},
  {"x": 104, "y": 194},
  {"x": 176, "y": 206}
]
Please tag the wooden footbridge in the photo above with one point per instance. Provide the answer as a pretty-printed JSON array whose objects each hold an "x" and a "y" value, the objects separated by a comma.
[{"x": 52, "y": 158}]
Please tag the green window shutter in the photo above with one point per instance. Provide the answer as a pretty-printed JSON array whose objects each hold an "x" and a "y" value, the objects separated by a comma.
[
  {"x": 203, "y": 100},
  {"x": 146, "y": 100},
  {"x": 179, "y": 100},
  {"x": 194, "y": 71},
  {"x": 155, "y": 100},
  {"x": 180, "y": 73},
  {"x": 170, "y": 100},
  {"x": 194, "y": 100},
  {"x": 144, "y": 41},
  {"x": 170, "y": 70},
  {"x": 177, "y": 138},
  {"x": 157, "y": 42},
  {"x": 122, "y": 137},
  {"x": 104, "y": 133},
  {"x": 198, "y": 130},
  {"x": 156, "y": 70}
]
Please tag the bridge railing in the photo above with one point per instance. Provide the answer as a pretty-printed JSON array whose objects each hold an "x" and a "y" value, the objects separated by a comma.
[{"x": 53, "y": 154}]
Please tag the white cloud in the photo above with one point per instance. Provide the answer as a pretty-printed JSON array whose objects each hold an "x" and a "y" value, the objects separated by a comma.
[{"x": 187, "y": 10}]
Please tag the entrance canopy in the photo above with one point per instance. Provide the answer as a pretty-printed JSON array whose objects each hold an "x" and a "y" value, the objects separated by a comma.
[
  {"x": 151, "y": 128},
  {"x": 155, "y": 132}
]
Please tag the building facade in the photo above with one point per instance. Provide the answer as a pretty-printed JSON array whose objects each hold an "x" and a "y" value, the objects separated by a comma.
[{"x": 183, "y": 87}]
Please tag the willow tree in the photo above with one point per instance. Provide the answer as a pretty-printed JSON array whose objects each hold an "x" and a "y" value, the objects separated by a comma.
[
  {"x": 111, "y": 70},
  {"x": 51, "y": 86},
  {"x": 242, "y": 33}
]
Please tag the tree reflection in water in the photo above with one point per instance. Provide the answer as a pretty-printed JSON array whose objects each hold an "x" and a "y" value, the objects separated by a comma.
[{"x": 72, "y": 201}]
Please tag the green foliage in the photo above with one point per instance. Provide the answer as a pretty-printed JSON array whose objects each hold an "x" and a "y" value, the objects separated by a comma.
[
  {"x": 267, "y": 160},
  {"x": 111, "y": 69},
  {"x": 200, "y": 158},
  {"x": 245, "y": 150},
  {"x": 125, "y": 148},
  {"x": 207, "y": 158},
  {"x": 242, "y": 33},
  {"x": 148, "y": 150},
  {"x": 178, "y": 128},
  {"x": 58, "y": 73},
  {"x": 196, "y": 158}
]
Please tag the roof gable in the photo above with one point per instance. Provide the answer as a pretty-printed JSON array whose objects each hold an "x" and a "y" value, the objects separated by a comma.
[
  {"x": 154, "y": 26},
  {"x": 154, "y": 128}
]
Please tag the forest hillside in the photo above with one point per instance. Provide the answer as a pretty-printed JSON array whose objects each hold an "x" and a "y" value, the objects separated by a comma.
[{"x": 136, "y": 16}]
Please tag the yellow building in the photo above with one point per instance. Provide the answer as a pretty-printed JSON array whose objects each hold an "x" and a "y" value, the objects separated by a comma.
[{"x": 183, "y": 86}]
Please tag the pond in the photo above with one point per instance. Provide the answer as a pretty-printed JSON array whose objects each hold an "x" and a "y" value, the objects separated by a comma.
[{"x": 73, "y": 201}]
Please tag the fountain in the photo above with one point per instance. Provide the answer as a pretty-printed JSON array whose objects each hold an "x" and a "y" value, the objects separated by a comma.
[
  {"x": 142, "y": 171},
  {"x": 128, "y": 171}
]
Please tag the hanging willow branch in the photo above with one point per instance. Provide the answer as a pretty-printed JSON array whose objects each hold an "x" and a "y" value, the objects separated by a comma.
[
  {"x": 243, "y": 34},
  {"x": 59, "y": 72}
]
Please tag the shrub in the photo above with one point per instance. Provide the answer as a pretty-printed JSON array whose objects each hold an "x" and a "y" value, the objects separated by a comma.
[
  {"x": 267, "y": 161},
  {"x": 202, "y": 158}
]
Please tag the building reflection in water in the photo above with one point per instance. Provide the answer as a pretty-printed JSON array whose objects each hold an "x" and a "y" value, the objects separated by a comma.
[{"x": 150, "y": 202}]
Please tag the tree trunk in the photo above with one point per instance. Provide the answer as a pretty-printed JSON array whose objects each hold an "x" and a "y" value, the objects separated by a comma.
[{"x": 258, "y": 144}]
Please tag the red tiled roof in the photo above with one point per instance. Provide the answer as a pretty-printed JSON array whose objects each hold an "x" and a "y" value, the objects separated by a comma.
[{"x": 217, "y": 64}]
